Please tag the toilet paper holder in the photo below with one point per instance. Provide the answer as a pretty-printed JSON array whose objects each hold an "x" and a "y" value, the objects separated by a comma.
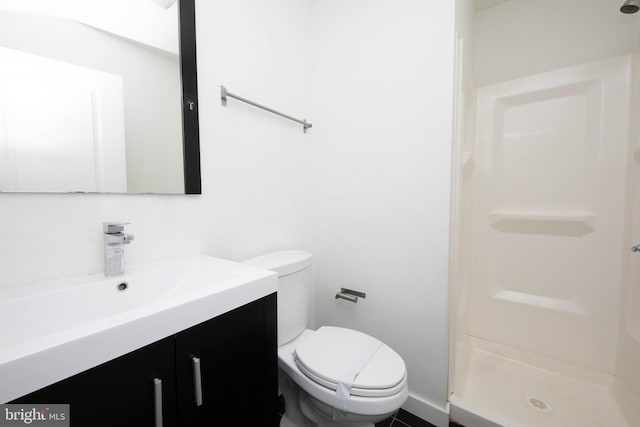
[{"x": 350, "y": 295}]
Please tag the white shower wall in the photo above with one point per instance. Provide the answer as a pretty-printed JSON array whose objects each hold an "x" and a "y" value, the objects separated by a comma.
[
  {"x": 463, "y": 137},
  {"x": 544, "y": 292},
  {"x": 627, "y": 388},
  {"x": 520, "y": 38},
  {"x": 549, "y": 194}
]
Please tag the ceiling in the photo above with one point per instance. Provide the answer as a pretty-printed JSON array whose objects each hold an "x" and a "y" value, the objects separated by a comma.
[{"x": 138, "y": 20}]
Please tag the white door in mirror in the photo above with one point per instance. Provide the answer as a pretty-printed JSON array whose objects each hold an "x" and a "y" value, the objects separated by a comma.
[{"x": 61, "y": 126}]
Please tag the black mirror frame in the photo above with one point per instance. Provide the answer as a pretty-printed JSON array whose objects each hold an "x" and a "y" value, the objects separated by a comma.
[{"x": 190, "y": 123}]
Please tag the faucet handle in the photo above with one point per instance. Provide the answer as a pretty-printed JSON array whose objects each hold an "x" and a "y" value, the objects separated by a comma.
[{"x": 113, "y": 227}]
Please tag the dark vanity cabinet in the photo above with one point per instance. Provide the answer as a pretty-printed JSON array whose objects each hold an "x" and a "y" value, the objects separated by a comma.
[
  {"x": 238, "y": 387},
  {"x": 220, "y": 372},
  {"x": 119, "y": 392}
]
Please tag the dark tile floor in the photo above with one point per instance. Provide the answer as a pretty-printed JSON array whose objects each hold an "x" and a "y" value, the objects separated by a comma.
[{"x": 401, "y": 418}]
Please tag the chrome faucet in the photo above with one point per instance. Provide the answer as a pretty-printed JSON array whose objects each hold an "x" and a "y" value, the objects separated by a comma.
[{"x": 114, "y": 240}]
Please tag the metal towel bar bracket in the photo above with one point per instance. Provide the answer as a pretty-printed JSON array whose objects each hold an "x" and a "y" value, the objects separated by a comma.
[
  {"x": 350, "y": 295},
  {"x": 224, "y": 93}
]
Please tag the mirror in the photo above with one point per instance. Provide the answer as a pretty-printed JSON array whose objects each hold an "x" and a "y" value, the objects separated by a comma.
[{"x": 98, "y": 97}]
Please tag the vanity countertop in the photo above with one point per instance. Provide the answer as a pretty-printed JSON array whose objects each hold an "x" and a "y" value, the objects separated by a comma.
[{"x": 55, "y": 329}]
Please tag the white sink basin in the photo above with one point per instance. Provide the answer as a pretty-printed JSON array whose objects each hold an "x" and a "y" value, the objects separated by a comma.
[{"x": 56, "y": 329}]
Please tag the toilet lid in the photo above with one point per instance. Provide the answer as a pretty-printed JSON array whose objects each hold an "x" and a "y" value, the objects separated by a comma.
[{"x": 326, "y": 355}]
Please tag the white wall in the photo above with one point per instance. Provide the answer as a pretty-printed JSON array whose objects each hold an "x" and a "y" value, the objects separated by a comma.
[
  {"x": 370, "y": 180},
  {"x": 522, "y": 37},
  {"x": 255, "y": 166},
  {"x": 382, "y": 166}
]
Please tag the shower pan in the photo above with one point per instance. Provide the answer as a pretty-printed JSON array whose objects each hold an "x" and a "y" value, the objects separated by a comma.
[{"x": 543, "y": 251}]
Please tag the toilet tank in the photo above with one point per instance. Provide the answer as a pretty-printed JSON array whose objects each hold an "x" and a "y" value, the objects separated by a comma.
[{"x": 294, "y": 289}]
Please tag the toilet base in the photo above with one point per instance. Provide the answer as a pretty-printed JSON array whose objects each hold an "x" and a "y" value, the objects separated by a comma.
[
  {"x": 321, "y": 422},
  {"x": 286, "y": 422},
  {"x": 322, "y": 418},
  {"x": 302, "y": 410}
]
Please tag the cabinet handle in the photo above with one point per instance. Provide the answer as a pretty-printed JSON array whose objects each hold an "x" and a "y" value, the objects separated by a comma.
[
  {"x": 197, "y": 380},
  {"x": 157, "y": 394}
]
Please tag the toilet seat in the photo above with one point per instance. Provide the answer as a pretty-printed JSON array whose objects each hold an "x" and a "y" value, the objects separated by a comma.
[
  {"x": 330, "y": 351},
  {"x": 364, "y": 406}
]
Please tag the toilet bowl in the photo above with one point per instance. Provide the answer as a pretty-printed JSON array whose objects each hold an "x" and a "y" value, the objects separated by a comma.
[{"x": 331, "y": 377}]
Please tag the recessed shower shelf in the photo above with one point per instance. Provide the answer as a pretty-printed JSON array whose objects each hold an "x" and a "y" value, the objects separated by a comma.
[
  {"x": 556, "y": 304},
  {"x": 574, "y": 224}
]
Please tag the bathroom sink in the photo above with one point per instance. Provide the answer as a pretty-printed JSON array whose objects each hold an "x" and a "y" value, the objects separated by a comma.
[{"x": 52, "y": 330}]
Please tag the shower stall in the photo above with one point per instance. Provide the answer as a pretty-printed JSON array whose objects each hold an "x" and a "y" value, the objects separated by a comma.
[{"x": 545, "y": 314}]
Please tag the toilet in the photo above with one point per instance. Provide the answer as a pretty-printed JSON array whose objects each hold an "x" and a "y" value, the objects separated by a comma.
[{"x": 331, "y": 377}]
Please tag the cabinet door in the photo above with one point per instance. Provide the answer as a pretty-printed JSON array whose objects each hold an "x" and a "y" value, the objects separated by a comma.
[
  {"x": 237, "y": 368},
  {"x": 120, "y": 392}
]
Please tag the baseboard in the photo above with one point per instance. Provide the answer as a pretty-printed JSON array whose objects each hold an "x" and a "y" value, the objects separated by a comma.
[{"x": 427, "y": 411}]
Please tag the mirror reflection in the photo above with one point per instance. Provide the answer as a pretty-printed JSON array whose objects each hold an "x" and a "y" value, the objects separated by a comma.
[{"x": 90, "y": 96}]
